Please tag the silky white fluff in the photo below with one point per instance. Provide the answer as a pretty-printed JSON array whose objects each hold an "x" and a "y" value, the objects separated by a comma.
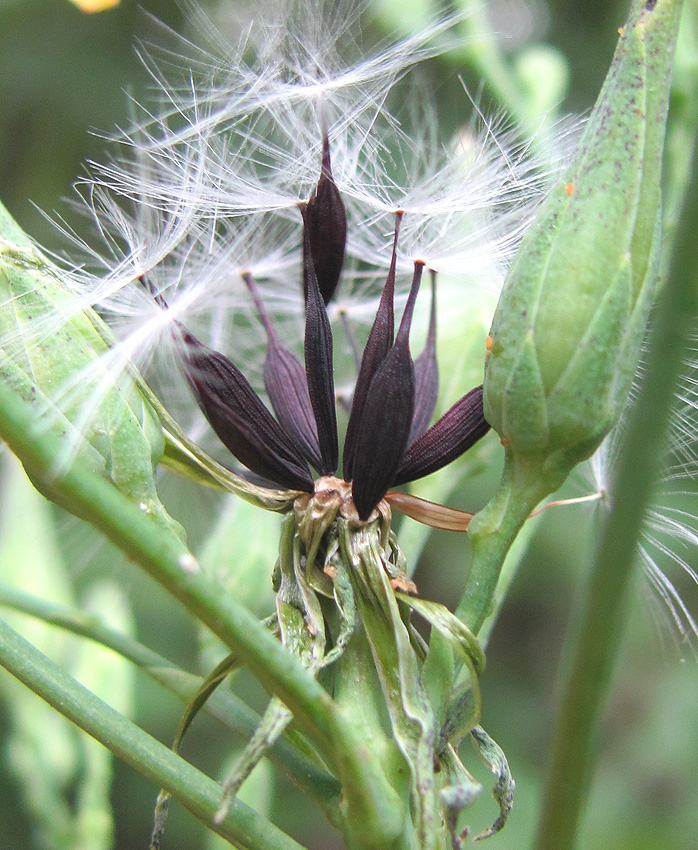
[
  {"x": 205, "y": 186},
  {"x": 669, "y": 540}
]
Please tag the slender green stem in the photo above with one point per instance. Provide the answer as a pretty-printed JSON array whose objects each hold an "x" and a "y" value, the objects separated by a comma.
[
  {"x": 224, "y": 706},
  {"x": 199, "y": 794},
  {"x": 493, "y": 530},
  {"x": 485, "y": 55},
  {"x": 597, "y": 638},
  {"x": 168, "y": 561}
]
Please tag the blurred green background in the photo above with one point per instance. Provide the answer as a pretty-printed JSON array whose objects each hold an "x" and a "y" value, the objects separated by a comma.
[{"x": 63, "y": 75}]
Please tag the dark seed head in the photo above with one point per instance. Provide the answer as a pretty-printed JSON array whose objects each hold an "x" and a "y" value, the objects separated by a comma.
[
  {"x": 426, "y": 376},
  {"x": 319, "y": 368},
  {"x": 326, "y": 223},
  {"x": 379, "y": 342},
  {"x": 238, "y": 416},
  {"x": 387, "y": 417},
  {"x": 457, "y": 430},
  {"x": 286, "y": 385}
]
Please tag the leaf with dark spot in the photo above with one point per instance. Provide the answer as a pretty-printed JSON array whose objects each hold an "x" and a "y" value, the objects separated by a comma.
[
  {"x": 379, "y": 343},
  {"x": 238, "y": 416},
  {"x": 457, "y": 430},
  {"x": 319, "y": 367},
  {"x": 426, "y": 376},
  {"x": 387, "y": 417}
]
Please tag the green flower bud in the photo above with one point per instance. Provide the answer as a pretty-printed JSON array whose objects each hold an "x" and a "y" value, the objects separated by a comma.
[{"x": 566, "y": 335}]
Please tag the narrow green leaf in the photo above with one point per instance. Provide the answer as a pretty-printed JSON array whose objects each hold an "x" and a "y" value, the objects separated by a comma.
[
  {"x": 242, "y": 827},
  {"x": 227, "y": 708},
  {"x": 275, "y": 720}
]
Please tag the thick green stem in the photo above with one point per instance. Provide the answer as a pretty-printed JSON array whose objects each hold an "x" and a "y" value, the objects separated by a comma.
[
  {"x": 199, "y": 794},
  {"x": 493, "y": 531},
  {"x": 223, "y": 705},
  {"x": 358, "y": 693},
  {"x": 597, "y": 638}
]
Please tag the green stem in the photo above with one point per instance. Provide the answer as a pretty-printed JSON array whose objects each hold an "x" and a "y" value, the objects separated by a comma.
[
  {"x": 597, "y": 638},
  {"x": 487, "y": 59},
  {"x": 199, "y": 794},
  {"x": 224, "y": 706},
  {"x": 494, "y": 529},
  {"x": 168, "y": 561},
  {"x": 358, "y": 692},
  {"x": 482, "y": 50}
]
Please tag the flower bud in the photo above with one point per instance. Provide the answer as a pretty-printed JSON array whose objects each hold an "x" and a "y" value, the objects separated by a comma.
[{"x": 566, "y": 335}]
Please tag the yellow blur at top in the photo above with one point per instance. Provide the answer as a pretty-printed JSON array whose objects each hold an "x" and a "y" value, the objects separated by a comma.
[{"x": 91, "y": 6}]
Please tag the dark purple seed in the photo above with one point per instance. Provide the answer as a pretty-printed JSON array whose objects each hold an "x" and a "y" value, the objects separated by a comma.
[
  {"x": 379, "y": 342},
  {"x": 387, "y": 417},
  {"x": 426, "y": 376},
  {"x": 287, "y": 388},
  {"x": 326, "y": 223},
  {"x": 238, "y": 416},
  {"x": 319, "y": 367},
  {"x": 457, "y": 430}
]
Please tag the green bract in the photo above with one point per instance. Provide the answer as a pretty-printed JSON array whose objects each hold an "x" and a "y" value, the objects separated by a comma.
[{"x": 566, "y": 335}]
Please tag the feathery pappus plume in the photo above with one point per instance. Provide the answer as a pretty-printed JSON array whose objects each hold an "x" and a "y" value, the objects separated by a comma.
[
  {"x": 669, "y": 539},
  {"x": 275, "y": 198}
]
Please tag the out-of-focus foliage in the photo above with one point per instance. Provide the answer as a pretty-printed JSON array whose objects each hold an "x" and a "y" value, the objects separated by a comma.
[{"x": 63, "y": 74}]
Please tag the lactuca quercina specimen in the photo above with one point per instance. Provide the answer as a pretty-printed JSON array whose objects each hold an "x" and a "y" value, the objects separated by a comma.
[{"x": 388, "y": 441}]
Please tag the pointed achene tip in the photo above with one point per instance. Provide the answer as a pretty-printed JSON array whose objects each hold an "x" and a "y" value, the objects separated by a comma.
[
  {"x": 429, "y": 513},
  {"x": 246, "y": 275},
  {"x": 326, "y": 157}
]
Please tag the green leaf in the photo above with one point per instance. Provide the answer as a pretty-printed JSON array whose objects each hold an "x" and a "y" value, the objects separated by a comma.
[
  {"x": 54, "y": 353},
  {"x": 462, "y": 711},
  {"x": 242, "y": 827},
  {"x": 275, "y": 720}
]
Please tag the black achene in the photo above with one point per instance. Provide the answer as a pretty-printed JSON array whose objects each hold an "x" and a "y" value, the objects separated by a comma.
[{"x": 388, "y": 441}]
